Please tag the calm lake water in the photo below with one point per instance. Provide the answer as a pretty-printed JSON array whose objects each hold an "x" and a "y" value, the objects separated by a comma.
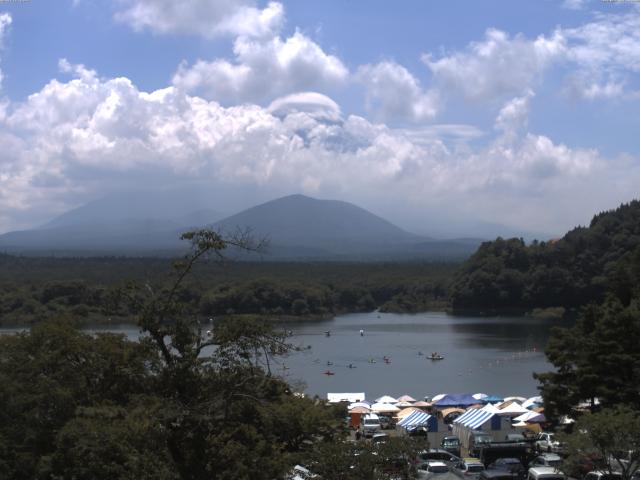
[{"x": 489, "y": 355}]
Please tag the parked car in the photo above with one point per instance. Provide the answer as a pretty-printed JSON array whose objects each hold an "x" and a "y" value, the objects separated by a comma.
[
  {"x": 431, "y": 469},
  {"x": 602, "y": 475},
  {"x": 469, "y": 468},
  {"x": 477, "y": 440},
  {"x": 451, "y": 444},
  {"x": 491, "y": 474},
  {"x": 546, "y": 460},
  {"x": 300, "y": 473},
  {"x": 545, "y": 473},
  {"x": 511, "y": 465},
  {"x": 514, "y": 437},
  {"x": 370, "y": 424},
  {"x": 546, "y": 442},
  {"x": 440, "y": 455}
]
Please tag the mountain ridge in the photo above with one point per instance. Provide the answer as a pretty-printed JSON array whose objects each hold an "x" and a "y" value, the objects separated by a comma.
[{"x": 298, "y": 227}]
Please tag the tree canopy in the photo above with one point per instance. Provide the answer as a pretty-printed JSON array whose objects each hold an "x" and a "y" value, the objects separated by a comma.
[
  {"x": 178, "y": 404},
  {"x": 570, "y": 272}
]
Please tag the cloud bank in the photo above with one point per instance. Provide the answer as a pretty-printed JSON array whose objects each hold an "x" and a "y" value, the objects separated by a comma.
[{"x": 267, "y": 118}]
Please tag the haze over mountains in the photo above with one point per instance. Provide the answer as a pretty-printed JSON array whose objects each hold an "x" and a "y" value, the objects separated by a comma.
[{"x": 297, "y": 227}]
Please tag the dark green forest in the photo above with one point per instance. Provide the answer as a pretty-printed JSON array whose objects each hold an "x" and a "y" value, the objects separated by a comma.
[
  {"x": 32, "y": 288},
  {"x": 579, "y": 268}
]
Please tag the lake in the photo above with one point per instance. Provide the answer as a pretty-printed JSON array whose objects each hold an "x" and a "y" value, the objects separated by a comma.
[
  {"x": 495, "y": 355},
  {"x": 488, "y": 355}
]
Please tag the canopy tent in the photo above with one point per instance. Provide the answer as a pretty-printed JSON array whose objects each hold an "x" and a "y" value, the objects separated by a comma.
[
  {"x": 407, "y": 411},
  {"x": 440, "y": 396},
  {"x": 359, "y": 410},
  {"x": 532, "y": 402},
  {"x": 345, "y": 397},
  {"x": 513, "y": 409},
  {"x": 448, "y": 411},
  {"x": 466, "y": 415},
  {"x": 422, "y": 404},
  {"x": 416, "y": 419},
  {"x": 381, "y": 407},
  {"x": 452, "y": 400},
  {"x": 480, "y": 396},
  {"x": 491, "y": 408},
  {"x": 406, "y": 398},
  {"x": 358, "y": 404},
  {"x": 531, "y": 417},
  {"x": 386, "y": 399},
  {"x": 474, "y": 418},
  {"x": 404, "y": 404}
]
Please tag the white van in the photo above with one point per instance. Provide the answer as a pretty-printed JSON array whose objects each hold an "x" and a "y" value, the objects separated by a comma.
[
  {"x": 545, "y": 473},
  {"x": 370, "y": 424}
]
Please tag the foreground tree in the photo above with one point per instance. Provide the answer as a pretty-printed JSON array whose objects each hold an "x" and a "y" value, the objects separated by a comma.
[
  {"x": 608, "y": 440},
  {"x": 598, "y": 358},
  {"x": 180, "y": 403}
]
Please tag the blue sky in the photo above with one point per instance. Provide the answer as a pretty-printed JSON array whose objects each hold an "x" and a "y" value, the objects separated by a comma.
[{"x": 436, "y": 115}]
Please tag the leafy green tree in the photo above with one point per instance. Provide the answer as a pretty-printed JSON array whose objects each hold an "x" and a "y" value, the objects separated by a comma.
[
  {"x": 107, "y": 442},
  {"x": 611, "y": 436},
  {"x": 598, "y": 358},
  {"x": 47, "y": 374},
  {"x": 184, "y": 402}
]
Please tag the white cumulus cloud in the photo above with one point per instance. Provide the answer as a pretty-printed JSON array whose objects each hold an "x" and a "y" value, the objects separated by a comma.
[
  {"x": 497, "y": 66},
  {"x": 5, "y": 22},
  {"x": 603, "y": 55},
  {"x": 393, "y": 93},
  {"x": 263, "y": 69},
  {"x": 207, "y": 18},
  {"x": 86, "y": 135}
]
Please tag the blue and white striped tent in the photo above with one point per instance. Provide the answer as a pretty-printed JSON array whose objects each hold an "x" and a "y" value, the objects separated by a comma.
[
  {"x": 415, "y": 419},
  {"x": 474, "y": 418}
]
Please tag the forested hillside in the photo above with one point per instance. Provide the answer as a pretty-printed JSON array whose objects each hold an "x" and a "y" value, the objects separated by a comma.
[
  {"x": 570, "y": 272},
  {"x": 32, "y": 289}
]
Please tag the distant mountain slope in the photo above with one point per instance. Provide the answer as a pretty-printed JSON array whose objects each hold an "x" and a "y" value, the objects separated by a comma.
[
  {"x": 570, "y": 272},
  {"x": 172, "y": 206},
  {"x": 297, "y": 227},
  {"x": 138, "y": 223},
  {"x": 301, "y": 220}
]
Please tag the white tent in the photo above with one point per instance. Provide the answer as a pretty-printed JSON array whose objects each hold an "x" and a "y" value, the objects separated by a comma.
[
  {"x": 381, "y": 407},
  {"x": 345, "y": 397},
  {"x": 406, "y": 398},
  {"x": 359, "y": 404},
  {"x": 525, "y": 417},
  {"x": 440, "y": 396},
  {"x": 513, "y": 409},
  {"x": 404, "y": 404},
  {"x": 532, "y": 402},
  {"x": 480, "y": 396},
  {"x": 386, "y": 399},
  {"x": 491, "y": 408}
]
